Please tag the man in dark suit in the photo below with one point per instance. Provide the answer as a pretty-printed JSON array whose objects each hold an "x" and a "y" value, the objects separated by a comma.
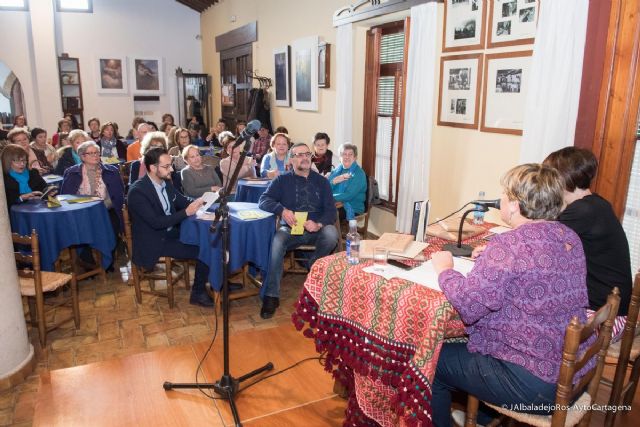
[{"x": 157, "y": 210}]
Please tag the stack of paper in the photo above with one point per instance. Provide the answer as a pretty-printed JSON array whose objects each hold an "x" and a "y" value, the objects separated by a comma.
[
  {"x": 399, "y": 246},
  {"x": 251, "y": 214}
]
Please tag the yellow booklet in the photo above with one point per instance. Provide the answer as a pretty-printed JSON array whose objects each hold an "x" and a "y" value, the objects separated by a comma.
[
  {"x": 301, "y": 218},
  {"x": 52, "y": 202}
]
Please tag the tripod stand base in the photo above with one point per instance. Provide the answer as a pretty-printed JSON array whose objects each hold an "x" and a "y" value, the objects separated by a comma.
[
  {"x": 226, "y": 387},
  {"x": 462, "y": 250}
]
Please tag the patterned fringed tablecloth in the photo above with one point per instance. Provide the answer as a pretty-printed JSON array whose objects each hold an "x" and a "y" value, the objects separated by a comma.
[{"x": 381, "y": 337}]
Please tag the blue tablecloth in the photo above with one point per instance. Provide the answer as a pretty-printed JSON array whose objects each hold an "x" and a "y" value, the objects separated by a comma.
[
  {"x": 250, "y": 191},
  {"x": 250, "y": 242},
  {"x": 68, "y": 225}
]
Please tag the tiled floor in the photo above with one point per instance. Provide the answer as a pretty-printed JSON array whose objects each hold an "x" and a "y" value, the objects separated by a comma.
[{"x": 114, "y": 325}]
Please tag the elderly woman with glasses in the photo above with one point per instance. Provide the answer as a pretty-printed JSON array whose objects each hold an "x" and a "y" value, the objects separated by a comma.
[
  {"x": 20, "y": 183},
  {"x": 349, "y": 183},
  {"x": 69, "y": 155},
  {"x": 516, "y": 302},
  {"x": 198, "y": 177},
  {"x": 150, "y": 140},
  {"x": 111, "y": 146}
]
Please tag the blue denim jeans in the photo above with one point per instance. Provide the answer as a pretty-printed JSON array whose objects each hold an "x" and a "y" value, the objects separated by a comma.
[
  {"x": 325, "y": 241},
  {"x": 489, "y": 379}
]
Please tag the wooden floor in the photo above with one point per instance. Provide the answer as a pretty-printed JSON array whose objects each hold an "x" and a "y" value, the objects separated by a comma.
[{"x": 128, "y": 391}]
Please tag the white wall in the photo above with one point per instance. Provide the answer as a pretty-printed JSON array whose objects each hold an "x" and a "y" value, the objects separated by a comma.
[{"x": 158, "y": 28}]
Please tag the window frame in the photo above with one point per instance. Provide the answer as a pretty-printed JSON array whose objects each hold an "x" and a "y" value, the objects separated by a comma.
[
  {"x": 60, "y": 8},
  {"x": 24, "y": 8}
]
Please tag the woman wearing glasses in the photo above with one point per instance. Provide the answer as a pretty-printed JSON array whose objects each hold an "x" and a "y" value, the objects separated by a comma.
[
  {"x": 277, "y": 161},
  {"x": 349, "y": 183},
  {"x": 93, "y": 178},
  {"x": 198, "y": 177},
  {"x": 20, "y": 183}
]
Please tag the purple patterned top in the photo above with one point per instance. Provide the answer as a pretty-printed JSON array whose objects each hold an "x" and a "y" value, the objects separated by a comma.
[{"x": 520, "y": 296}]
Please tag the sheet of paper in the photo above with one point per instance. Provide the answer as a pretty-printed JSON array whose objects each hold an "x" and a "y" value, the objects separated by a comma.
[
  {"x": 51, "y": 178},
  {"x": 250, "y": 214},
  {"x": 83, "y": 200},
  {"x": 425, "y": 274},
  {"x": 412, "y": 251},
  {"x": 301, "y": 218},
  {"x": 209, "y": 199},
  {"x": 500, "y": 229}
]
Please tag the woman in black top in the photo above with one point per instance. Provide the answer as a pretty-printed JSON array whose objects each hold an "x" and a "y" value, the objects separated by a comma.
[
  {"x": 20, "y": 183},
  {"x": 322, "y": 157},
  {"x": 592, "y": 218}
]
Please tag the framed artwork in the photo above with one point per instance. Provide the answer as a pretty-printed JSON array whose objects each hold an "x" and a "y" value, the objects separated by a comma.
[
  {"x": 512, "y": 22},
  {"x": 506, "y": 80},
  {"x": 147, "y": 76},
  {"x": 283, "y": 79},
  {"x": 324, "y": 65},
  {"x": 228, "y": 93},
  {"x": 111, "y": 74},
  {"x": 460, "y": 77},
  {"x": 305, "y": 73},
  {"x": 464, "y": 25}
]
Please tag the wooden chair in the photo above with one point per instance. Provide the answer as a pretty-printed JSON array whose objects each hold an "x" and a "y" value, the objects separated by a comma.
[
  {"x": 34, "y": 283},
  {"x": 169, "y": 274},
  {"x": 624, "y": 354},
  {"x": 576, "y": 334},
  {"x": 293, "y": 261},
  {"x": 363, "y": 218},
  {"x": 125, "y": 171}
]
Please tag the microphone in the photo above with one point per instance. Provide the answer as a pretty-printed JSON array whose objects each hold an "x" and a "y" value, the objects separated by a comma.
[
  {"x": 487, "y": 203},
  {"x": 252, "y": 127}
]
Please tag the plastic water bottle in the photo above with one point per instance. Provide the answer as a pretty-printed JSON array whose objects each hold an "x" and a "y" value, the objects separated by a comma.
[
  {"x": 353, "y": 243},
  {"x": 478, "y": 216}
]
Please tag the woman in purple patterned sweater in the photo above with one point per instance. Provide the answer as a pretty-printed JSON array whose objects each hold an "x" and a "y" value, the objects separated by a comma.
[{"x": 516, "y": 302}]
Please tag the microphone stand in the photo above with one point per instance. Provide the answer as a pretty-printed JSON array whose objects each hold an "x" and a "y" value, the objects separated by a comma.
[
  {"x": 458, "y": 249},
  {"x": 227, "y": 385}
]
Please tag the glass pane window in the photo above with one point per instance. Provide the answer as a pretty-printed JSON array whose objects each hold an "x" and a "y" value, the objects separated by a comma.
[
  {"x": 14, "y": 4},
  {"x": 75, "y": 6},
  {"x": 631, "y": 218}
]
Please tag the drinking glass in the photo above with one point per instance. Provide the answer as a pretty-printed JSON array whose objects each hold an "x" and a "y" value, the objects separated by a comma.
[{"x": 379, "y": 258}]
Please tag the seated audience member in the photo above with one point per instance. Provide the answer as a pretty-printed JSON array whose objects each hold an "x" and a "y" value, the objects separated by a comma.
[
  {"x": 20, "y": 121},
  {"x": 240, "y": 126},
  {"x": 349, "y": 183},
  {"x": 171, "y": 137},
  {"x": 168, "y": 119},
  {"x": 133, "y": 150},
  {"x": 281, "y": 129},
  {"x": 223, "y": 137},
  {"x": 229, "y": 163},
  {"x": 524, "y": 289},
  {"x": 94, "y": 129},
  {"x": 153, "y": 127},
  {"x": 20, "y": 183},
  {"x": 322, "y": 156},
  {"x": 69, "y": 155},
  {"x": 150, "y": 140},
  {"x": 133, "y": 132},
  {"x": 93, "y": 178},
  {"x": 157, "y": 210},
  {"x": 213, "y": 138},
  {"x": 20, "y": 136},
  {"x": 194, "y": 132},
  {"x": 63, "y": 141},
  {"x": 197, "y": 177},
  {"x": 111, "y": 147},
  {"x": 305, "y": 191},
  {"x": 45, "y": 153},
  {"x": 276, "y": 162},
  {"x": 64, "y": 125},
  {"x": 182, "y": 139},
  {"x": 603, "y": 238},
  {"x": 261, "y": 145},
  {"x": 74, "y": 120}
]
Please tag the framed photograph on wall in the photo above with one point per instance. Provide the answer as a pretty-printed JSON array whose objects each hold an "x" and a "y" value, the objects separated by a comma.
[
  {"x": 464, "y": 25},
  {"x": 283, "y": 78},
  {"x": 324, "y": 65},
  {"x": 506, "y": 81},
  {"x": 147, "y": 76},
  {"x": 305, "y": 73},
  {"x": 512, "y": 22},
  {"x": 228, "y": 93},
  {"x": 460, "y": 77},
  {"x": 111, "y": 74}
]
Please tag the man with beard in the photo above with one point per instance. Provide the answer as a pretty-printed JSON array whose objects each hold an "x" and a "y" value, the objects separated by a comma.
[{"x": 293, "y": 195}]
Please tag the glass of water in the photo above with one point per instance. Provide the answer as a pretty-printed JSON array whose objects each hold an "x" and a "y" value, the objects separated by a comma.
[{"x": 379, "y": 258}]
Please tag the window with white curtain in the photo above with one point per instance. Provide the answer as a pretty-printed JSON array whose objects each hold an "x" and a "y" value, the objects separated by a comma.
[
  {"x": 75, "y": 5},
  {"x": 631, "y": 218},
  {"x": 14, "y": 5}
]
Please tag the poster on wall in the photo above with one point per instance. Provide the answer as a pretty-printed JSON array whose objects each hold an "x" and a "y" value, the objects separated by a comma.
[
  {"x": 111, "y": 73},
  {"x": 324, "y": 65},
  {"x": 305, "y": 73},
  {"x": 281, "y": 64},
  {"x": 464, "y": 27},
  {"x": 148, "y": 76},
  {"x": 512, "y": 22},
  {"x": 460, "y": 90},
  {"x": 506, "y": 77}
]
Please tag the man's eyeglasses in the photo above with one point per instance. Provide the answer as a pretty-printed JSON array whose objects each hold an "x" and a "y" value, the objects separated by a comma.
[
  {"x": 166, "y": 167},
  {"x": 92, "y": 153},
  {"x": 302, "y": 155}
]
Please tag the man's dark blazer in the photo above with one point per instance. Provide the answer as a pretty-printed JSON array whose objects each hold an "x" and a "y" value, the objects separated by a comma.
[{"x": 149, "y": 223}]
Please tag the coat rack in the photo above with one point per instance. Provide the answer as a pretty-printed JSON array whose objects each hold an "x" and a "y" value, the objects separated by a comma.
[{"x": 265, "y": 82}]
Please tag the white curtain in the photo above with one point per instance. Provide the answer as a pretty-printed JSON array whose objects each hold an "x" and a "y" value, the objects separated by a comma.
[
  {"x": 551, "y": 107},
  {"x": 418, "y": 121},
  {"x": 344, "y": 80}
]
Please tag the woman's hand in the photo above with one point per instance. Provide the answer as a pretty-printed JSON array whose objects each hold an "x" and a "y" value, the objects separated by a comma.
[
  {"x": 215, "y": 188},
  {"x": 340, "y": 178},
  {"x": 442, "y": 261},
  {"x": 32, "y": 195},
  {"x": 477, "y": 251},
  {"x": 272, "y": 174}
]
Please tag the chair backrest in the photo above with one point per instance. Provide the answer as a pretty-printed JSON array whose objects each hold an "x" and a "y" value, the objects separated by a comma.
[
  {"x": 601, "y": 324},
  {"x": 125, "y": 171},
  {"x": 28, "y": 264},
  {"x": 368, "y": 201},
  {"x": 127, "y": 231}
]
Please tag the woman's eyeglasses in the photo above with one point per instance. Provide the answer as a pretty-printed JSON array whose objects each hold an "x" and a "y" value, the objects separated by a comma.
[{"x": 91, "y": 153}]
